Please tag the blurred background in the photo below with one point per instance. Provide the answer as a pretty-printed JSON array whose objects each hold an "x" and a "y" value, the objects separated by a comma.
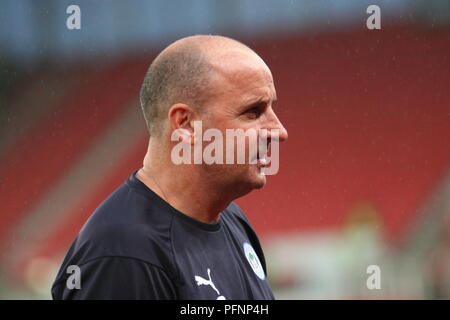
[{"x": 365, "y": 175}]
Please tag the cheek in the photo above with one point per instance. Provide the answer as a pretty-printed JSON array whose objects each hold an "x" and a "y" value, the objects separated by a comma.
[{"x": 214, "y": 122}]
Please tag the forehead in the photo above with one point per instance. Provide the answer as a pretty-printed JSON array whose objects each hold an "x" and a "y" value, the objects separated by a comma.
[{"x": 241, "y": 75}]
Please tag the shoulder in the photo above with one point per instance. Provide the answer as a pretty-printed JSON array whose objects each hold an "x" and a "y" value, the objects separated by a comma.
[
  {"x": 114, "y": 278},
  {"x": 234, "y": 213},
  {"x": 236, "y": 220},
  {"x": 127, "y": 224}
]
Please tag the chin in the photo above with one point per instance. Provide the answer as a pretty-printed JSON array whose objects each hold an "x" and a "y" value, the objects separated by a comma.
[
  {"x": 245, "y": 181},
  {"x": 261, "y": 182},
  {"x": 245, "y": 186},
  {"x": 258, "y": 180}
]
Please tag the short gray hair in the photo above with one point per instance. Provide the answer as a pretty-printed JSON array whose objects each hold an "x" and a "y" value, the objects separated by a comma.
[{"x": 179, "y": 75}]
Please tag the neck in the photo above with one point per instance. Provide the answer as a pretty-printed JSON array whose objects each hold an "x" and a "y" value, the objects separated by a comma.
[{"x": 182, "y": 187}]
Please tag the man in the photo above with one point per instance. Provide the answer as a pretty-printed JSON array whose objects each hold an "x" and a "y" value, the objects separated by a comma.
[{"x": 172, "y": 231}]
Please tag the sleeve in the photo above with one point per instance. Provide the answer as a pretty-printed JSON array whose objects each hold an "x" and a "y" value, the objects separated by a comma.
[{"x": 110, "y": 278}]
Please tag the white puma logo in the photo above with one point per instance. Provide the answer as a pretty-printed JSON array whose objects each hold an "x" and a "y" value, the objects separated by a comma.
[{"x": 202, "y": 281}]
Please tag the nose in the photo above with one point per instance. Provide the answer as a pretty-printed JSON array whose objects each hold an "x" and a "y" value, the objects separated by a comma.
[{"x": 275, "y": 123}]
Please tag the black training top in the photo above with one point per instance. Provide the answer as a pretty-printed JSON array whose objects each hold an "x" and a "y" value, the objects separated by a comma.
[{"x": 136, "y": 246}]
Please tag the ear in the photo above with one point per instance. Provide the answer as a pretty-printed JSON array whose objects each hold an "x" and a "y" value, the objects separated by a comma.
[{"x": 181, "y": 117}]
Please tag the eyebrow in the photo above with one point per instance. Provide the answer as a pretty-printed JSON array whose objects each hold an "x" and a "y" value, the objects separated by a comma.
[{"x": 258, "y": 102}]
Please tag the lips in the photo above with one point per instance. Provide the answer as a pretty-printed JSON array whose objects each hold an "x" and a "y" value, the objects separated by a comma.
[{"x": 263, "y": 161}]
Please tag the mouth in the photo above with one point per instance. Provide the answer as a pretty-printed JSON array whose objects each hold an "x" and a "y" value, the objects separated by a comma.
[
  {"x": 262, "y": 160},
  {"x": 262, "y": 163}
]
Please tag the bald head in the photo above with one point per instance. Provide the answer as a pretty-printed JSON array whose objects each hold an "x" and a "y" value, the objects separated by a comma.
[{"x": 181, "y": 73}]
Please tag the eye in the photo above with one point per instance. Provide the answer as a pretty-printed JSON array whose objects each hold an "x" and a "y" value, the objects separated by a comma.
[{"x": 254, "y": 112}]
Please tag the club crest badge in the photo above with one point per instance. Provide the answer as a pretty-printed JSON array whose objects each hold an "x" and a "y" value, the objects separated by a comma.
[{"x": 253, "y": 260}]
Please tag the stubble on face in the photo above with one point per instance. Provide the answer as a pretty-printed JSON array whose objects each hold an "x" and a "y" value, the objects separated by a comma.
[{"x": 241, "y": 81}]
